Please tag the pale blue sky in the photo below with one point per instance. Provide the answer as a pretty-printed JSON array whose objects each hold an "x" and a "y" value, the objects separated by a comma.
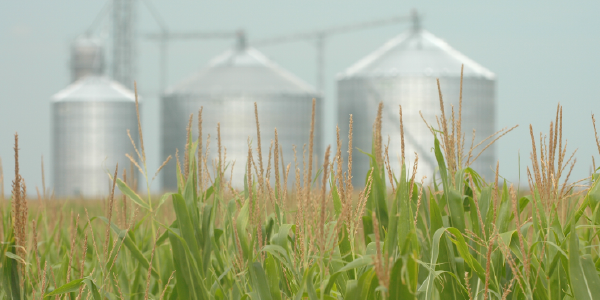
[{"x": 543, "y": 52}]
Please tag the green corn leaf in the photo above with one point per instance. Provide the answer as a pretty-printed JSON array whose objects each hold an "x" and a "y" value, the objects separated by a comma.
[
  {"x": 594, "y": 193},
  {"x": 331, "y": 282},
  {"x": 583, "y": 276},
  {"x": 246, "y": 187},
  {"x": 441, "y": 164},
  {"x": 307, "y": 275},
  {"x": 337, "y": 203},
  {"x": 399, "y": 289},
  {"x": 475, "y": 224},
  {"x": 183, "y": 274},
  {"x": 367, "y": 221},
  {"x": 128, "y": 242},
  {"x": 206, "y": 243},
  {"x": 430, "y": 287},
  {"x": 591, "y": 275},
  {"x": 577, "y": 214},
  {"x": 10, "y": 273},
  {"x": 190, "y": 197},
  {"x": 259, "y": 281},
  {"x": 185, "y": 226},
  {"x": 463, "y": 250},
  {"x": 186, "y": 267},
  {"x": 164, "y": 236},
  {"x": 345, "y": 248},
  {"x": 180, "y": 180},
  {"x": 399, "y": 222},
  {"x": 440, "y": 258},
  {"x": 93, "y": 288},
  {"x": 539, "y": 208},
  {"x": 505, "y": 211},
  {"x": 376, "y": 201},
  {"x": 457, "y": 211},
  {"x": 162, "y": 200},
  {"x": 191, "y": 150},
  {"x": 281, "y": 238},
  {"x": 64, "y": 266},
  {"x": 442, "y": 250},
  {"x": 189, "y": 256},
  {"x": 241, "y": 224},
  {"x": 281, "y": 255},
  {"x": 111, "y": 260},
  {"x": 352, "y": 290},
  {"x": 435, "y": 217},
  {"x": 558, "y": 283},
  {"x": 310, "y": 286},
  {"x": 67, "y": 288},
  {"x": 125, "y": 189},
  {"x": 358, "y": 263},
  {"x": 209, "y": 191},
  {"x": 273, "y": 277},
  {"x": 485, "y": 203},
  {"x": 368, "y": 281},
  {"x": 16, "y": 257},
  {"x": 336, "y": 263}
]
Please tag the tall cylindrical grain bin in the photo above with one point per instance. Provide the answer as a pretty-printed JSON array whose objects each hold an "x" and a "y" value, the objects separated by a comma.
[
  {"x": 90, "y": 119},
  {"x": 403, "y": 72},
  {"x": 227, "y": 89}
]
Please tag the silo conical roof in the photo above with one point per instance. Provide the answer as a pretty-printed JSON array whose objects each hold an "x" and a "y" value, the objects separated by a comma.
[
  {"x": 226, "y": 91},
  {"x": 242, "y": 70},
  {"x": 94, "y": 88},
  {"x": 416, "y": 52},
  {"x": 403, "y": 72}
]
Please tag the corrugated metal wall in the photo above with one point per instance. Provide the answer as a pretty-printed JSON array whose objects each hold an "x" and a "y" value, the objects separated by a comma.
[
  {"x": 89, "y": 127},
  {"x": 227, "y": 90},
  {"x": 403, "y": 72}
]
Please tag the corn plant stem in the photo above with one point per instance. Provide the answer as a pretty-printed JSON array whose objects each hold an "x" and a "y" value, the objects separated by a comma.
[{"x": 152, "y": 225}]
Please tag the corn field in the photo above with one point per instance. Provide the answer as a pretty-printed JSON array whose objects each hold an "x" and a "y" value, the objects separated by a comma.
[{"x": 302, "y": 231}]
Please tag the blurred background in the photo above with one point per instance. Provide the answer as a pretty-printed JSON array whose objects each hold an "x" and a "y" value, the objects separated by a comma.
[{"x": 541, "y": 54}]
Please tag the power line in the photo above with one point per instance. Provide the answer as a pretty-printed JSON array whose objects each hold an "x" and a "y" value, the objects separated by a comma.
[
  {"x": 103, "y": 12},
  {"x": 327, "y": 32},
  {"x": 319, "y": 37}
]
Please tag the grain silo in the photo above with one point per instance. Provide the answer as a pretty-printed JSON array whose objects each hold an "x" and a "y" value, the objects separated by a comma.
[
  {"x": 90, "y": 119},
  {"x": 227, "y": 89},
  {"x": 403, "y": 72}
]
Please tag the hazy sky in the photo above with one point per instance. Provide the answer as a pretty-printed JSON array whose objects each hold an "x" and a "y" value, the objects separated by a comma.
[{"x": 541, "y": 52}]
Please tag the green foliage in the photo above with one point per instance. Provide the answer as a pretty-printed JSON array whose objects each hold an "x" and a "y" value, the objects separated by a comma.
[{"x": 460, "y": 237}]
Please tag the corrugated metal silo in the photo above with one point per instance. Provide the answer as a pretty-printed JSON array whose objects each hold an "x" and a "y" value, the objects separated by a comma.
[
  {"x": 227, "y": 89},
  {"x": 90, "y": 119},
  {"x": 404, "y": 71},
  {"x": 86, "y": 57}
]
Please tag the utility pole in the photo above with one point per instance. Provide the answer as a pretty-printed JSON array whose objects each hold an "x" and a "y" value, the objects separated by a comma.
[
  {"x": 163, "y": 63},
  {"x": 162, "y": 42},
  {"x": 321, "y": 63}
]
